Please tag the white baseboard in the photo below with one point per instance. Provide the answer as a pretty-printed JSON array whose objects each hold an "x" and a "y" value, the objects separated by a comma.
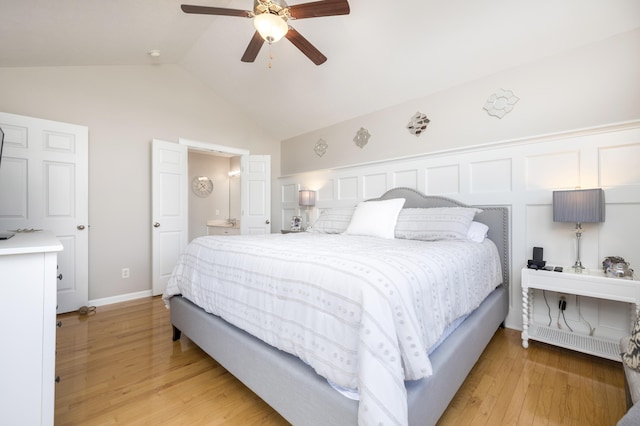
[{"x": 120, "y": 298}]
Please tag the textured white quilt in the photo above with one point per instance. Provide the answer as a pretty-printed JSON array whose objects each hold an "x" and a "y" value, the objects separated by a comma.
[{"x": 361, "y": 311}]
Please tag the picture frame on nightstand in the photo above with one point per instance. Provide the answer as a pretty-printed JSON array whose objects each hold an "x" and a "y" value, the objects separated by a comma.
[{"x": 296, "y": 223}]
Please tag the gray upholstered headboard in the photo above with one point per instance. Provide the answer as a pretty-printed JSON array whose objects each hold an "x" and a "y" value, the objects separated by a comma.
[{"x": 496, "y": 218}]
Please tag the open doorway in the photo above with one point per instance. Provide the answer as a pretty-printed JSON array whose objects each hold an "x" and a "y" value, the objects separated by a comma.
[
  {"x": 214, "y": 196},
  {"x": 220, "y": 209},
  {"x": 170, "y": 199}
]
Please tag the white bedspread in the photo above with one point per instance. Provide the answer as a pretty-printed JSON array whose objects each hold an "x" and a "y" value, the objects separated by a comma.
[{"x": 362, "y": 311}]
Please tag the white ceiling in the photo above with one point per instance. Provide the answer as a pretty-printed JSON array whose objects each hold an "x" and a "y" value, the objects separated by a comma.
[{"x": 383, "y": 53}]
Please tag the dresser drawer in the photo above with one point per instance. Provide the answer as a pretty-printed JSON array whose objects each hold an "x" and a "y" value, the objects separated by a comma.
[{"x": 221, "y": 230}]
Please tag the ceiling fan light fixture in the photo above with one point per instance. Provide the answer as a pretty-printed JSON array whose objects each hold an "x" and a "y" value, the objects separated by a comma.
[{"x": 271, "y": 27}]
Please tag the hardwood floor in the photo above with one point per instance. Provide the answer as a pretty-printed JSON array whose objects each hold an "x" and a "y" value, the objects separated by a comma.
[{"x": 119, "y": 366}]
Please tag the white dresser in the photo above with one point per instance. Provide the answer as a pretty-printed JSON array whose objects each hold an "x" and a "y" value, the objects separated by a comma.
[{"x": 28, "y": 263}]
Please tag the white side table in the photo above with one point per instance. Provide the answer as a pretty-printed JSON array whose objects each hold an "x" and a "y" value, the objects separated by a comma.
[{"x": 591, "y": 283}]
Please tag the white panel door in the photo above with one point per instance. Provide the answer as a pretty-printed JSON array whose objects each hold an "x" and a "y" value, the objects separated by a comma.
[
  {"x": 255, "y": 194},
  {"x": 170, "y": 213},
  {"x": 44, "y": 184}
]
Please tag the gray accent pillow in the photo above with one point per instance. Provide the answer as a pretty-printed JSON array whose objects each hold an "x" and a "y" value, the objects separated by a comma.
[
  {"x": 632, "y": 356},
  {"x": 436, "y": 223},
  {"x": 333, "y": 221}
]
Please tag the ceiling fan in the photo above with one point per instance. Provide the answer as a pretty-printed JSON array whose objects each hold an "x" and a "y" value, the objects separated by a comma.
[{"x": 270, "y": 20}]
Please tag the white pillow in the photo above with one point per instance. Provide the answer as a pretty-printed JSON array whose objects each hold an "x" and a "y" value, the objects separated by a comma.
[
  {"x": 375, "y": 218},
  {"x": 477, "y": 232},
  {"x": 333, "y": 221},
  {"x": 435, "y": 223}
]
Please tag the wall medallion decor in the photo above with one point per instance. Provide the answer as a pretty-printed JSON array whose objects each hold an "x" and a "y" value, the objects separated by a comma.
[
  {"x": 418, "y": 124},
  {"x": 321, "y": 147},
  {"x": 500, "y": 103},
  {"x": 362, "y": 137}
]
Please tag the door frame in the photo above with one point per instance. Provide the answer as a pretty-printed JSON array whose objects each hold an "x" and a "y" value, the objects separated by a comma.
[{"x": 210, "y": 147}]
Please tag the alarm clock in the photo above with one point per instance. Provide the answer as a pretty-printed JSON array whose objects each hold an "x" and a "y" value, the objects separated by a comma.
[{"x": 202, "y": 186}]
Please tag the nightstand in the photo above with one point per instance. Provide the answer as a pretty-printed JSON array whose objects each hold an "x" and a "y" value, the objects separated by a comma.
[{"x": 590, "y": 283}]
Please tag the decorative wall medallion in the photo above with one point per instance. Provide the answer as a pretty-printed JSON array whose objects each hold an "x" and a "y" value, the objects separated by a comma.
[
  {"x": 500, "y": 103},
  {"x": 321, "y": 147},
  {"x": 418, "y": 124},
  {"x": 362, "y": 137}
]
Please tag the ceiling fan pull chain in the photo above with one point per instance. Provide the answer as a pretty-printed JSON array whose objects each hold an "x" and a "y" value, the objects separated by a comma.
[{"x": 270, "y": 56}]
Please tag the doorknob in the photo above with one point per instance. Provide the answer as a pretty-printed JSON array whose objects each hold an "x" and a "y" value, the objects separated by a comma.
[
  {"x": 267, "y": 221},
  {"x": 60, "y": 277},
  {"x": 80, "y": 227},
  {"x": 156, "y": 225}
]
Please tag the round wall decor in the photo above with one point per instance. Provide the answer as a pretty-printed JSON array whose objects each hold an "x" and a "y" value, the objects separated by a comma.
[{"x": 202, "y": 186}]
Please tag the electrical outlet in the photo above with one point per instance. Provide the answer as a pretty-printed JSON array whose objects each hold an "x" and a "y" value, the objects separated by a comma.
[{"x": 125, "y": 272}]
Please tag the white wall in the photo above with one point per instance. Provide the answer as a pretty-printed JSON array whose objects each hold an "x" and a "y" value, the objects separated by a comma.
[
  {"x": 591, "y": 86},
  {"x": 520, "y": 175},
  {"x": 125, "y": 107}
]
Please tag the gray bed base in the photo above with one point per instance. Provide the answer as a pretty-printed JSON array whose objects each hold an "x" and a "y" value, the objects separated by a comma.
[{"x": 302, "y": 397}]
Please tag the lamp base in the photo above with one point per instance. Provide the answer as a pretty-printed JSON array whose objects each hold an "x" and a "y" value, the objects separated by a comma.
[{"x": 577, "y": 267}]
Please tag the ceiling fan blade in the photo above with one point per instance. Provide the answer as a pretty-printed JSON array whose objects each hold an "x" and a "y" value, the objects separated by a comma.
[
  {"x": 318, "y": 9},
  {"x": 253, "y": 48},
  {"x": 305, "y": 47},
  {"x": 206, "y": 10}
]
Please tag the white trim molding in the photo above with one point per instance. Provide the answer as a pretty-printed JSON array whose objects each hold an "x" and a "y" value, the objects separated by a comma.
[{"x": 120, "y": 298}]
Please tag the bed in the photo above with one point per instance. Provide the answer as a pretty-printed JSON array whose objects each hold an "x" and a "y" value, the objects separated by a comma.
[{"x": 294, "y": 387}]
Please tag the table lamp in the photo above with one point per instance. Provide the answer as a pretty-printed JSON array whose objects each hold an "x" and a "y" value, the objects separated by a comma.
[
  {"x": 306, "y": 199},
  {"x": 578, "y": 206}
]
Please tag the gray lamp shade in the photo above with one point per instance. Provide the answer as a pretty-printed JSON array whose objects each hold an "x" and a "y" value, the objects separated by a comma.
[
  {"x": 578, "y": 206},
  {"x": 306, "y": 198}
]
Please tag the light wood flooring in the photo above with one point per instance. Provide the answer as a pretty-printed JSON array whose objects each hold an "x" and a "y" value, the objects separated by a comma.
[{"x": 119, "y": 366}]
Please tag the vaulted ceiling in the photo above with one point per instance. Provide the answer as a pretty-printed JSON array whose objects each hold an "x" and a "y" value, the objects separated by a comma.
[{"x": 381, "y": 54}]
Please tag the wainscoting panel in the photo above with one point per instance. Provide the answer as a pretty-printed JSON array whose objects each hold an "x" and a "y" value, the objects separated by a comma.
[
  {"x": 290, "y": 193},
  {"x": 406, "y": 179},
  {"x": 348, "y": 188},
  {"x": 620, "y": 165},
  {"x": 619, "y": 235},
  {"x": 325, "y": 192},
  {"x": 553, "y": 170},
  {"x": 610, "y": 315},
  {"x": 490, "y": 176},
  {"x": 374, "y": 185},
  {"x": 522, "y": 174},
  {"x": 442, "y": 180}
]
